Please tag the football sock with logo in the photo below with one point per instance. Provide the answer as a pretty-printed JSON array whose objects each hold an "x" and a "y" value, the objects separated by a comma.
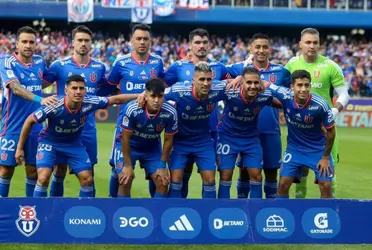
[
  {"x": 209, "y": 191},
  {"x": 56, "y": 187},
  {"x": 185, "y": 184},
  {"x": 256, "y": 189},
  {"x": 4, "y": 186},
  {"x": 158, "y": 195},
  {"x": 86, "y": 191},
  {"x": 114, "y": 184},
  {"x": 301, "y": 188},
  {"x": 282, "y": 197},
  {"x": 30, "y": 186},
  {"x": 175, "y": 190},
  {"x": 334, "y": 186},
  {"x": 224, "y": 190},
  {"x": 123, "y": 196},
  {"x": 270, "y": 188},
  {"x": 152, "y": 188},
  {"x": 243, "y": 189},
  {"x": 40, "y": 191}
]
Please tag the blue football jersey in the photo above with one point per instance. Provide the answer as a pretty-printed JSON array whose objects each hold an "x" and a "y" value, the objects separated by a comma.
[
  {"x": 240, "y": 116},
  {"x": 132, "y": 75},
  {"x": 146, "y": 129},
  {"x": 64, "y": 125},
  {"x": 183, "y": 70},
  {"x": 193, "y": 114},
  {"x": 93, "y": 73},
  {"x": 268, "y": 120},
  {"x": 305, "y": 123},
  {"x": 16, "y": 109}
]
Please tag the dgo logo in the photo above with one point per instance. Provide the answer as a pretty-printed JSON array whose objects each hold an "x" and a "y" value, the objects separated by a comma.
[{"x": 27, "y": 223}]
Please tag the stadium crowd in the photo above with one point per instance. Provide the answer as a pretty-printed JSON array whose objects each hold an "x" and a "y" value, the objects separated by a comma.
[{"x": 354, "y": 57}]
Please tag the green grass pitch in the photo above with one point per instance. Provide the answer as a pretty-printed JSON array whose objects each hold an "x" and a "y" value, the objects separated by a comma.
[{"x": 355, "y": 146}]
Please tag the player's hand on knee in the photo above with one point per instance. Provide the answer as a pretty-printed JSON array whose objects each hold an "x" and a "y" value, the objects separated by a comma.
[
  {"x": 126, "y": 175},
  {"x": 50, "y": 101},
  {"x": 141, "y": 99},
  {"x": 19, "y": 156},
  {"x": 163, "y": 174},
  {"x": 324, "y": 167}
]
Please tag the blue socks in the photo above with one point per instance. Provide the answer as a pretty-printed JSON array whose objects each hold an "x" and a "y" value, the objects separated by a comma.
[
  {"x": 243, "y": 189},
  {"x": 86, "y": 191},
  {"x": 209, "y": 191},
  {"x": 270, "y": 188},
  {"x": 175, "y": 190},
  {"x": 4, "y": 186},
  {"x": 40, "y": 191},
  {"x": 185, "y": 186},
  {"x": 56, "y": 187},
  {"x": 224, "y": 190},
  {"x": 30, "y": 186},
  {"x": 256, "y": 189}
]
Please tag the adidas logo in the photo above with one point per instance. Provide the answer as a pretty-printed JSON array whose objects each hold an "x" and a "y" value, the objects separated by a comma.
[
  {"x": 200, "y": 108},
  {"x": 32, "y": 75},
  {"x": 183, "y": 224},
  {"x": 143, "y": 72}
]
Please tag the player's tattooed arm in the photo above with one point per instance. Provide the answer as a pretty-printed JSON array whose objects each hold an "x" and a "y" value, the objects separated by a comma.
[
  {"x": 122, "y": 98},
  {"x": 277, "y": 104},
  {"x": 330, "y": 138},
  {"x": 26, "y": 129},
  {"x": 19, "y": 90}
]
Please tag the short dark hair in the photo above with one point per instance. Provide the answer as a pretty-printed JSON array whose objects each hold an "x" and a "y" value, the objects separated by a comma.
[
  {"x": 300, "y": 74},
  {"x": 259, "y": 36},
  {"x": 250, "y": 70},
  {"x": 310, "y": 31},
  {"x": 81, "y": 29},
  {"x": 141, "y": 26},
  {"x": 156, "y": 85},
  {"x": 198, "y": 32},
  {"x": 75, "y": 78},
  {"x": 203, "y": 67},
  {"x": 25, "y": 29}
]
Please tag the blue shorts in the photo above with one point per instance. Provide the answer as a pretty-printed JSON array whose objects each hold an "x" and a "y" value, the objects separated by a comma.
[
  {"x": 294, "y": 161},
  {"x": 203, "y": 154},
  {"x": 74, "y": 154},
  {"x": 114, "y": 141},
  {"x": 229, "y": 148},
  {"x": 149, "y": 160},
  {"x": 89, "y": 140},
  {"x": 214, "y": 135},
  {"x": 272, "y": 151},
  {"x": 8, "y": 147}
]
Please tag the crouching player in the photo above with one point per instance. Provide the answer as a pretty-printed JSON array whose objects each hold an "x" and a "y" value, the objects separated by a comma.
[
  {"x": 308, "y": 117},
  {"x": 239, "y": 134},
  {"x": 141, "y": 140},
  {"x": 61, "y": 137}
]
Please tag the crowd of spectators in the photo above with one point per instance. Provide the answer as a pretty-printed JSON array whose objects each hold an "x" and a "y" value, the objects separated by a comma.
[{"x": 353, "y": 56}]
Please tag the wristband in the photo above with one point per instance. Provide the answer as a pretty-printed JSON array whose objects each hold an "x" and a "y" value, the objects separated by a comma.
[
  {"x": 163, "y": 164},
  {"x": 335, "y": 112},
  {"x": 37, "y": 99}
]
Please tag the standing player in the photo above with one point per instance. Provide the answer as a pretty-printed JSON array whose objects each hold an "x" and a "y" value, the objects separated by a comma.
[
  {"x": 238, "y": 133},
  {"x": 268, "y": 120},
  {"x": 131, "y": 72},
  {"x": 183, "y": 70},
  {"x": 79, "y": 63},
  {"x": 22, "y": 75},
  {"x": 308, "y": 116},
  {"x": 326, "y": 77},
  {"x": 62, "y": 136},
  {"x": 195, "y": 102},
  {"x": 142, "y": 128}
]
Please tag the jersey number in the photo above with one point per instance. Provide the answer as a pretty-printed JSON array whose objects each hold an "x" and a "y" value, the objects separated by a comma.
[
  {"x": 7, "y": 145},
  {"x": 45, "y": 147},
  {"x": 223, "y": 149},
  {"x": 117, "y": 155},
  {"x": 287, "y": 157}
]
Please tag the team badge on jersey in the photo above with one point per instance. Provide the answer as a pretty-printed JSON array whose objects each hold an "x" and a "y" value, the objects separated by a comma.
[
  {"x": 256, "y": 110},
  {"x": 308, "y": 119},
  {"x": 153, "y": 73},
  {"x": 159, "y": 127},
  {"x": 213, "y": 74},
  {"x": 39, "y": 156},
  {"x": 40, "y": 73},
  {"x": 27, "y": 223},
  {"x": 316, "y": 74},
  {"x": 272, "y": 78},
  {"x": 210, "y": 107},
  {"x": 93, "y": 77}
]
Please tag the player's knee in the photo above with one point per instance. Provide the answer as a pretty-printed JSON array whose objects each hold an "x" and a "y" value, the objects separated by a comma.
[
  {"x": 86, "y": 180},
  {"x": 255, "y": 174},
  {"x": 43, "y": 179},
  {"x": 209, "y": 179},
  {"x": 31, "y": 171},
  {"x": 6, "y": 172},
  {"x": 60, "y": 170},
  {"x": 176, "y": 176}
]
